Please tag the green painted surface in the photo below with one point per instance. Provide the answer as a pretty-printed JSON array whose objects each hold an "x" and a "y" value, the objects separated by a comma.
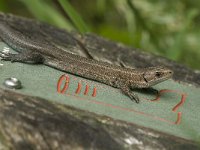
[{"x": 41, "y": 81}]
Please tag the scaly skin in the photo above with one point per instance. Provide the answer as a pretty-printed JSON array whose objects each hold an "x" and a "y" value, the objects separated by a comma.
[{"x": 125, "y": 79}]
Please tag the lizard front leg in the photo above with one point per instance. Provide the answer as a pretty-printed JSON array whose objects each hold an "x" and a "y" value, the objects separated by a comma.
[
  {"x": 125, "y": 88},
  {"x": 127, "y": 91},
  {"x": 25, "y": 57}
]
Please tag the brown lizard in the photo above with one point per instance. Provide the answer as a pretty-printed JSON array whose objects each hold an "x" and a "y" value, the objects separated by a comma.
[{"x": 126, "y": 79}]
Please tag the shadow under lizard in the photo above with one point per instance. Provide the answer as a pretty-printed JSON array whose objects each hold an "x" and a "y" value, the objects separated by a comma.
[{"x": 125, "y": 79}]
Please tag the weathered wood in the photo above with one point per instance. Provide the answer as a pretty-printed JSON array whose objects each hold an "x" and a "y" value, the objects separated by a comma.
[{"x": 34, "y": 123}]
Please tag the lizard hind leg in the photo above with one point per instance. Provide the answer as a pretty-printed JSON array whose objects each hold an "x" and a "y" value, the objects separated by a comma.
[
  {"x": 127, "y": 91},
  {"x": 25, "y": 57}
]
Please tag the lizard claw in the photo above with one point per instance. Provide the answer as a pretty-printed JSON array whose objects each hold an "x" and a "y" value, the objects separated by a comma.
[
  {"x": 6, "y": 56},
  {"x": 134, "y": 97},
  {"x": 3, "y": 55}
]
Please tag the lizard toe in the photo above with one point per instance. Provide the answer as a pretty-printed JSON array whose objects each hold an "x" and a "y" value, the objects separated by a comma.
[
  {"x": 5, "y": 56},
  {"x": 134, "y": 97}
]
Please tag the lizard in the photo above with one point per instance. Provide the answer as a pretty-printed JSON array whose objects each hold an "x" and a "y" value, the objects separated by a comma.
[{"x": 125, "y": 79}]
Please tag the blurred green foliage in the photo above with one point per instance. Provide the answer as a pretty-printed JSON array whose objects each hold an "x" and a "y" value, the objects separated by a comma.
[{"x": 168, "y": 28}]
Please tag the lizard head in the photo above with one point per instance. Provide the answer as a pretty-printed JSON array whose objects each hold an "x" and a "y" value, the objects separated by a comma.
[{"x": 155, "y": 75}]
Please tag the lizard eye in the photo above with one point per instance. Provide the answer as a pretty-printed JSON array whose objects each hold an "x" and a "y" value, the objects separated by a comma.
[{"x": 158, "y": 74}]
